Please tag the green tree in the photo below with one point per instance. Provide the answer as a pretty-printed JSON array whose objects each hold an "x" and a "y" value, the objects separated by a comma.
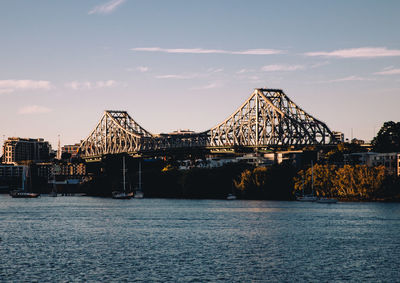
[{"x": 388, "y": 138}]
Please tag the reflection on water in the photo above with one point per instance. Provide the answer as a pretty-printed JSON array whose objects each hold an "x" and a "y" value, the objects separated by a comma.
[{"x": 97, "y": 239}]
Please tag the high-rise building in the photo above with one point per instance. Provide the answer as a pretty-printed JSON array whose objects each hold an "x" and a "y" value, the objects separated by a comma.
[{"x": 23, "y": 149}]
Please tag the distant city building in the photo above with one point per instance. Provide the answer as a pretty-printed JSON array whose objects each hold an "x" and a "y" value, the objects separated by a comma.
[
  {"x": 72, "y": 149},
  {"x": 61, "y": 173},
  {"x": 359, "y": 158},
  {"x": 44, "y": 170},
  {"x": 71, "y": 169},
  {"x": 357, "y": 141},
  {"x": 9, "y": 170},
  {"x": 293, "y": 157},
  {"x": 255, "y": 159},
  {"x": 11, "y": 176},
  {"x": 390, "y": 160},
  {"x": 339, "y": 136},
  {"x": 181, "y": 132},
  {"x": 23, "y": 149},
  {"x": 260, "y": 160}
]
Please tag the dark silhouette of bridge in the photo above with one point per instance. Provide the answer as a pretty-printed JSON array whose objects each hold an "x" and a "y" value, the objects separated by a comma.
[{"x": 267, "y": 119}]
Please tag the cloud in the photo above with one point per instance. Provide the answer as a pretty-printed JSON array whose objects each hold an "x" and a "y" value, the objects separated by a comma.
[
  {"x": 243, "y": 71},
  {"x": 347, "y": 79},
  {"x": 6, "y": 90},
  {"x": 249, "y": 77},
  {"x": 209, "y": 51},
  {"x": 33, "y": 109},
  {"x": 319, "y": 64},
  {"x": 186, "y": 76},
  {"x": 180, "y": 77},
  {"x": 363, "y": 52},
  {"x": 143, "y": 69},
  {"x": 25, "y": 84},
  {"x": 252, "y": 79},
  {"x": 106, "y": 8},
  {"x": 76, "y": 85},
  {"x": 259, "y": 52},
  {"x": 215, "y": 70},
  {"x": 389, "y": 71},
  {"x": 9, "y": 86},
  {"x": 209, "y": 86},
  {"x": 282, "y": 68}
]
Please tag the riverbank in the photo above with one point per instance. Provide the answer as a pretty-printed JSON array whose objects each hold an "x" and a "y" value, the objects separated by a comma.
[
  {"x": 277, "y": 182},
  {"x": 165, "y": 179}
]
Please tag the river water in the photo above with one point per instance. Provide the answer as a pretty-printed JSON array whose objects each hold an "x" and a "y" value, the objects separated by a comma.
[{"x": 168, "y": 240}]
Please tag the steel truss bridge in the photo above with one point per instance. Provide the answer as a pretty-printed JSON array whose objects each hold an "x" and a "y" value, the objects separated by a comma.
[{"x": 267, "y": 119}]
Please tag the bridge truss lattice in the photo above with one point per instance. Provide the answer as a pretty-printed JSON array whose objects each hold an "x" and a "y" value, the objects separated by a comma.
[{"x": 268, "y": 118}]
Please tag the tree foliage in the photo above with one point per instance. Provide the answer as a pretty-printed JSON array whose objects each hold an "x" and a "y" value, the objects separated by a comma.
[
  {"x": 348, "y": 182},
  {"x": 336, "y": 155},
  {"x": 273, "y": 182},
  {"x": 388, "y": 138}
]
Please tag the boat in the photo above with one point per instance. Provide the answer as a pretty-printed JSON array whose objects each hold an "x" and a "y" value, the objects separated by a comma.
[
  {"x": 311, "y": 197},
  {"x": 121, "y": 195},
  {"x": 21, "y": 193},
  {"x": 124, "y": 194},
  {"x": 139, "y": 192},
  {"x": 327, "y": 200},
  {"x": 231, "y": 197}
]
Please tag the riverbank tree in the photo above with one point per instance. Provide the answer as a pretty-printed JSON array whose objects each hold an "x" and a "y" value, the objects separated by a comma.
[
  {"x": 272, "y": 182},
  {"x": 358, "y": 182}
]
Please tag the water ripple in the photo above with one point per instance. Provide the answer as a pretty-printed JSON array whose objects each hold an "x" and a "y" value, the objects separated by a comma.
[{"x": 74, "y": 239}]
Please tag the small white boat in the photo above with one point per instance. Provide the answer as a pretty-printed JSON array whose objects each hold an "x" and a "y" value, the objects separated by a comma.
[
  {"x": 311, "y": 197},
  {"x": 308, "y": 198},
  {"x": 124, "y": 194},
  {"x": 139, "y": 194},
  {"x": 327, "y": 200},
  {"x": 22, "y": 193},
  {"x": 121, "y": 195},
  {"x": 231, "y": 197}
]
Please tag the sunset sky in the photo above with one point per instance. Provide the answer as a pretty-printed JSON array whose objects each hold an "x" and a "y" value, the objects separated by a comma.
[{"x": 190, "y": 64}]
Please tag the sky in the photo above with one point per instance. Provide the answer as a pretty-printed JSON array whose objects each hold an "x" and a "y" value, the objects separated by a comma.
[{"x": 190, "y": 64}]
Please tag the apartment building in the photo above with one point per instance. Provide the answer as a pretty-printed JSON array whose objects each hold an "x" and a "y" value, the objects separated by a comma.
[{"x": 25, "y": 149}]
